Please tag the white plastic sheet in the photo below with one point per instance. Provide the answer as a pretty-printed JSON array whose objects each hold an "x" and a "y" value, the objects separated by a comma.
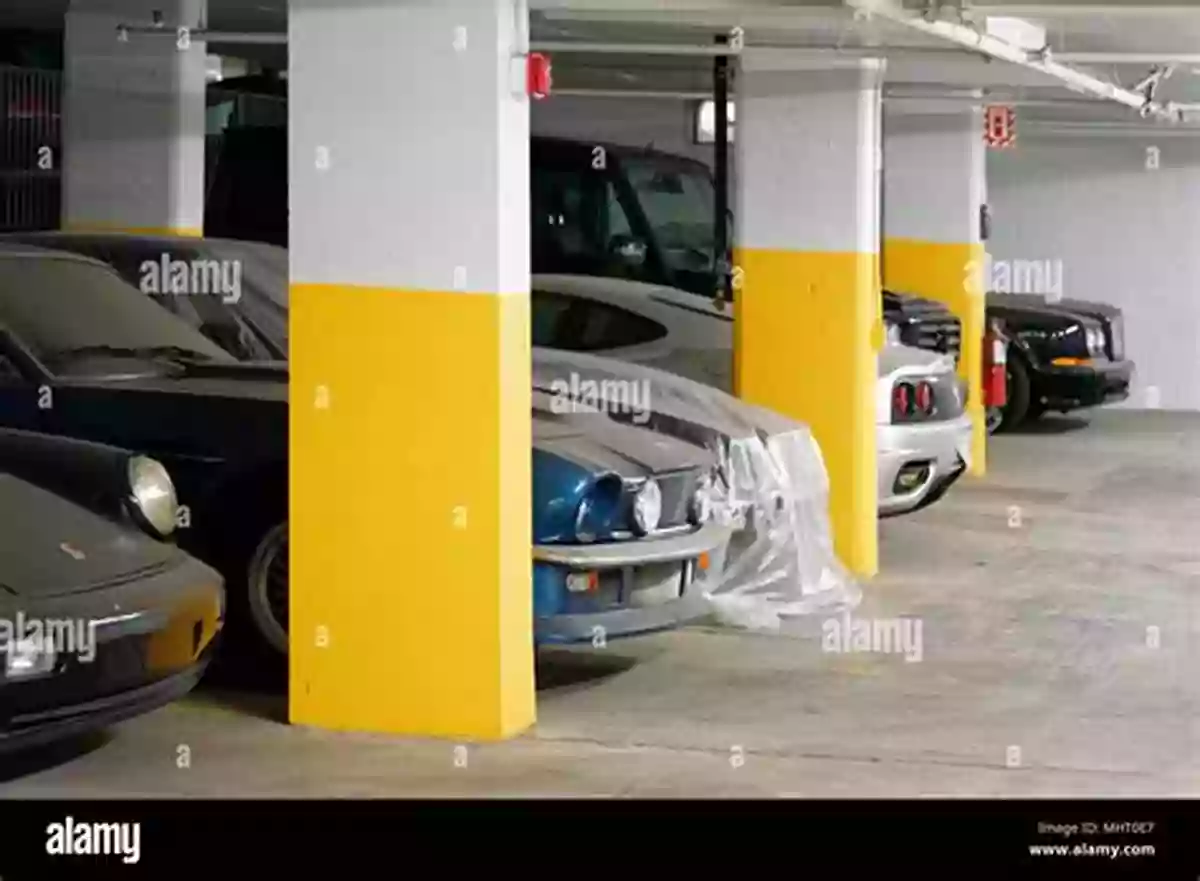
[{"x": 774, "y": 487}]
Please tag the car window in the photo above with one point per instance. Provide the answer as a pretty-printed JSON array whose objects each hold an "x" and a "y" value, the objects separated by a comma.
[
  {"x": 9, "y": 373},
  {"x": 560, "y": 321},
  {"x": 54, "y": 305},
  {"x": 577, "y": 222},
  {"x": 609, "y": 327},
  {"x": 211, "y": 310},
  {"x": 550, "y": 318}
]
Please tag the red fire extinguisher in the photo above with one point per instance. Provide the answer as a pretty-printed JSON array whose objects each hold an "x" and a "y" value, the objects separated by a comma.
[{"x": 995, "y": 366}]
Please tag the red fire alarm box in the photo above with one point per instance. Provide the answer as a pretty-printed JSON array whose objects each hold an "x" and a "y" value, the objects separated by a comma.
[
  {"x": 1000, "y": 127},
  {"x": 537, "y": 75}
]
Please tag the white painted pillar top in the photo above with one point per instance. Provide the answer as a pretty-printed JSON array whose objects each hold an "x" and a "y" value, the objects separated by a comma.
[
  {"x": 133, "y": 117},
  {"x": 409, "y": 144},
  {"x": 935, "y": 175},
  {"x": 808, "y": 153}
]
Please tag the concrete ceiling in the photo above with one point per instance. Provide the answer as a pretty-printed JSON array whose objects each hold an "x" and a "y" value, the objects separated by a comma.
[{"x": 1072, "y": 26}]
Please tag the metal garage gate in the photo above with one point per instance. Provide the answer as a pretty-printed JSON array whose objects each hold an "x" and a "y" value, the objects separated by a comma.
[{"x": 30, "y": 138}]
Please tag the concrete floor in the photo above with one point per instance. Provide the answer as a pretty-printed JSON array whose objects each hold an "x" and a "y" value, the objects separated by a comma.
[{"x": 1039, "y": 651}]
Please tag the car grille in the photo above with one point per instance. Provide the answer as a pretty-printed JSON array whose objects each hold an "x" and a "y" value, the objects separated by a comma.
[
  {"x": 1114, "y": 334},
  {"x": 928, "y": 324}
]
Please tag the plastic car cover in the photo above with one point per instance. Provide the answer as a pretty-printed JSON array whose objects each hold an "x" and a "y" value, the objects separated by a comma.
[{"x": 773, "y": 486}]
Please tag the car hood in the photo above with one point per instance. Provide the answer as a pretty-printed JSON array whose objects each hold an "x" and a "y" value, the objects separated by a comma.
[
  {"x": 50, "y": 546},
  {"x": 266, "y": 381},
  {"x": 1090, "y": 308},
  {"x": 672, "y": 402},
  {"x": 897, "y": 360},
  {"x": 1031, "y": 304},
  {"x": 595, "y": 441}
]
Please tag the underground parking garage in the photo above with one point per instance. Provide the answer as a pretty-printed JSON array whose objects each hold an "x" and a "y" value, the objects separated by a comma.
[{"x": 837, "y": 361}]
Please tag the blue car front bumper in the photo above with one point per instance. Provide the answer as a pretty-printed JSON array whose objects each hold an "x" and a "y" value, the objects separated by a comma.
[{"x": 640, "y": 585}]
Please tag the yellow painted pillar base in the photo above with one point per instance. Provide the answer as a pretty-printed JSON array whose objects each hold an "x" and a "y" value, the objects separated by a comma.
[
  {"x": 183, "y": 231},
  {"x": 804, "y": 325},
  {"x": 411, "y": 599},
  {"x": 951, "y": 274}
]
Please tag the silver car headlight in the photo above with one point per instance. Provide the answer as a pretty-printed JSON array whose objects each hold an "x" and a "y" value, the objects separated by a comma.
[
  {"x": 701, "y": 507},
  {"x": 152, "y": 496},
  {"x": 893, "y": 334},
  {"x": 647, "y": 507},
  {"x": 1095, "y": 340}
]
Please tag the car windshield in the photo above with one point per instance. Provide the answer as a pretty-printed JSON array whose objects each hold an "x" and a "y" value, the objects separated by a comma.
[
  {"x": 62, "y": 308},
  {"x": 678, "y": 200},
  {"x": 264, "y": 301}
]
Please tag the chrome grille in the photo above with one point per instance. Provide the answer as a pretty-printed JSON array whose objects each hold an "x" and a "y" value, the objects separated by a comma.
[
  {"x": 1114, "y": 333},
  {"x": 935, "y": 334}
]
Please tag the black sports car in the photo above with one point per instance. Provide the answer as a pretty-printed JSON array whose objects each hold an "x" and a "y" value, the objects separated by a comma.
[
  {"x": 84, "y": 354},
  {"x": 101, "y": 617}
]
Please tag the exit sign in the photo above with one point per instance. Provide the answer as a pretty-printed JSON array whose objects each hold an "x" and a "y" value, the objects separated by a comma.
[{"x": 1000, "y": 127}]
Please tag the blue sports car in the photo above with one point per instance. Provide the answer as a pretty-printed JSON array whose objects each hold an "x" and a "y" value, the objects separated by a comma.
[{"x": 625, "y": 540}]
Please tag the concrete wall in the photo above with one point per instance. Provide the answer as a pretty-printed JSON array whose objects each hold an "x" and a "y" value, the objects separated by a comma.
[{"x": 1124, "y": 234}]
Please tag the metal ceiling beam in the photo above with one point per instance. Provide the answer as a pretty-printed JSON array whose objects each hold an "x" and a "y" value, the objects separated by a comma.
[
  {"x": 1002, "y": 50},
  {"x": 580, "y": 47}
]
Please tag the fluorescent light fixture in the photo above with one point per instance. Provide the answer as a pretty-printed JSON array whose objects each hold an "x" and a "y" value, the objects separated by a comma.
[{"x": 706, "y": 122}]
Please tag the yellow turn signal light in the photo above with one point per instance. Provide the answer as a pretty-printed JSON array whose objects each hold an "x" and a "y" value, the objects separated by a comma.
[{"x": 1072, "y": 362}]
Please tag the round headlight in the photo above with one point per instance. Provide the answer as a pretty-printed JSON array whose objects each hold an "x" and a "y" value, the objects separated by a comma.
[
  {"x": 702, "y": 503},
  {"x": 594, "y": 516},
  {"x": 152, "y": 495},
  {"x": 647, "y": 507}
]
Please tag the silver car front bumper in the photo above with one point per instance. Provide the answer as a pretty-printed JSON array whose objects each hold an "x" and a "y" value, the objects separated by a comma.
[
  {"x": 710, "y": 539},
  {"x": 944, "y": 446}
]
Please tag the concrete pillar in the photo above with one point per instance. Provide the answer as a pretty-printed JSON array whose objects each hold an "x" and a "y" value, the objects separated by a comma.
[
  {"x": 133, "y": 118},
  {"x": 807, "y": 311},
  {"x": 935, "y": 173},
  {"x": 411, "y": 576}
]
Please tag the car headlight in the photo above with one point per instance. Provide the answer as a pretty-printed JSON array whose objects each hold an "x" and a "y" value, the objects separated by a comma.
[
  {"x": 152, "y": 496},
  {"x": 701, "y": 507},
  {"x": 647, "y": 507},
  {"x": 595, "y": 513},
  {"x": 893, "y": 334},
  {"x": 1095, "y": 341}
]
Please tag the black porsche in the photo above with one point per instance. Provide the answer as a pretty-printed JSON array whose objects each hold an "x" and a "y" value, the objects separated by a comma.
[
  {"x": 101, "y": 617},
  {"x": 84, "y": 354}
]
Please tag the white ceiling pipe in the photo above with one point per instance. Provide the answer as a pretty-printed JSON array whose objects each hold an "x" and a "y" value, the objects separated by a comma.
[
  {"x": 568, "y": 47},
  {"x": 1126, "y": 57},
  {"x": 249, "y": 37},
  {"x": 963, "y": 35},
  {"x": 630, "y": 94}
]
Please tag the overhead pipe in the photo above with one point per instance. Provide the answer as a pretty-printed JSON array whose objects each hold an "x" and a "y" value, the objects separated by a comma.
[
  {"x": 1127, "y": 57},
  {"x": 572, "y": 46},
  {"x": 1002, "y": 50},
  {"x": 199, "y": 33}
]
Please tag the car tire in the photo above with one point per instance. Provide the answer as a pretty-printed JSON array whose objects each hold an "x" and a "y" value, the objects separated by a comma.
[
  {"x": 1016, "y": 410},
  {"x": 267, "y": 587}
]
